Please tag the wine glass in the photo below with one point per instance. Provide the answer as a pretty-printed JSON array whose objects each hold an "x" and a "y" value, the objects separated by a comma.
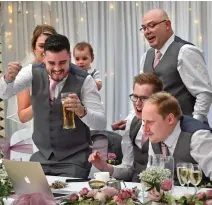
[
  {"x": 189, "y": 167},
  {"x": 195, "y": 175},
  {"x": 183, "y": 170},
  {"x": 180, "y": 172}
]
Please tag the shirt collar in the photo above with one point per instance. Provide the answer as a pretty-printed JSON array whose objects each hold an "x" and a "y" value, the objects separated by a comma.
[
  {"x": 166, "y": 45},
  {"x": 90, "y": 70},
  {"x": 172, "y": 138}
]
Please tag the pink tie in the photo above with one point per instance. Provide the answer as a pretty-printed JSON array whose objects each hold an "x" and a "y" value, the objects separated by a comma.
[
  {"x": 164, "y": 149},
  {"x": 157, "y": 58},
  {"x": 144, "y": 139},
  {"x": 52, "y": 87}
]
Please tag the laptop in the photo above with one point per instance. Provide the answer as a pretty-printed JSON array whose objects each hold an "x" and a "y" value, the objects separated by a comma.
[{"x": 28, "y": 177}]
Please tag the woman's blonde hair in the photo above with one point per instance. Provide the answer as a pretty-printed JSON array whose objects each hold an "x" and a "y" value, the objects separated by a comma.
[{"x": 41, "y": 29}]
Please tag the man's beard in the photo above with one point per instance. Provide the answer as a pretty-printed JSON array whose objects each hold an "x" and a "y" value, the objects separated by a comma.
[{"x": 62, "y": 74}]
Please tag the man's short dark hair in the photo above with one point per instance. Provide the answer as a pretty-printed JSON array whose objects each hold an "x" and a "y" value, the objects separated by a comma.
[
  {"x": 56, "y": 43},
  {"x": 150, "y": 79}
]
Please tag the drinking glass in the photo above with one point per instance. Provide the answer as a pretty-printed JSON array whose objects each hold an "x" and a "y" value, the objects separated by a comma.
[
  {"x": 183, "y": 170},
  {"x": 166, "y": 162},
  {"x": 68, "y": 116},
  {"x": 195, "y": 175},
  {"x": 159, "y": 160}
]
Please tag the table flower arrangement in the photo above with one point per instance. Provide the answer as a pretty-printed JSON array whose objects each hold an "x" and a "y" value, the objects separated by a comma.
[
  {"x": 201, "y": 198},
  {"x": 104, "y": 196},
  {"x": 5, "y": 184},
  {"x": 158, "y": 184}
]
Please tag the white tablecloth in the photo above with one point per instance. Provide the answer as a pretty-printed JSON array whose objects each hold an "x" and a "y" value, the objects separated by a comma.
[{"x": 77, "y": 186}]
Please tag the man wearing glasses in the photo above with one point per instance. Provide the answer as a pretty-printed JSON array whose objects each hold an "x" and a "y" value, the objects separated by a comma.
[
  {"x": 135, "y": 144},
  {"x": 179, "y": 64}
]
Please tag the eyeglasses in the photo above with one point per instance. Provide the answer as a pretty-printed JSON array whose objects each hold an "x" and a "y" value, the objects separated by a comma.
[
  {"x": 150, "y": 25},
  {"x": 134, "y": 98}
]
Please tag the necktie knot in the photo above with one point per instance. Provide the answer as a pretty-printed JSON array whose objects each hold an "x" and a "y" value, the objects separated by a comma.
[
  {"x": 158, "y": 55},
  {"x": 164, "y": 149},
  {"x": 52, "y": 87},
  {"x": 157, "y": 58}
]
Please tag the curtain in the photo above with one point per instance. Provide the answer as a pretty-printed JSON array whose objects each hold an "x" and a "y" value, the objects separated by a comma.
[{"x": 113, "y": 30}]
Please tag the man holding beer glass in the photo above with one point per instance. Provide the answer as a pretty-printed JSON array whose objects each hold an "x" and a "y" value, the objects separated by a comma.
[{"x": 63, "y": 147}]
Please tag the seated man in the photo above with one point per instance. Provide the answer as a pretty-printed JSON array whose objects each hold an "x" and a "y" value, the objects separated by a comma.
[
  {"x": 185, "y": 138},
  {"x": 134, "y": 144}
]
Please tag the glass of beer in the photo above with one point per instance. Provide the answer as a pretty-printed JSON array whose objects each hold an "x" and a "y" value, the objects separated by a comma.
[{"x": 68, "y": 116}]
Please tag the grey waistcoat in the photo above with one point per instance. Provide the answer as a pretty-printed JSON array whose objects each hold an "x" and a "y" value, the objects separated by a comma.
[
  {"x": 181, "y": 153},
  {"x": 49, "y": 135},
  {"x": 167, "y": 71},
  {"x": 140, "y": 155}
]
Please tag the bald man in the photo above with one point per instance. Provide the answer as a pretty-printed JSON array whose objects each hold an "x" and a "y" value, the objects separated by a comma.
[{"x": 179, "y": 64}]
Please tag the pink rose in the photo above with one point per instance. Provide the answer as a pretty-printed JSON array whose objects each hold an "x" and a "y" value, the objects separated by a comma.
[
  {"x": 123, "y": 194},
  {"x": 74, "y": 197},
  {"x": 154, "y": 195},
  {"x": 117, "y": 199},
  {"x": 110, "y": 191},
  {"x": 100, "y": 196},
  {"x": 209, "y": 194},
  {"x": 91, "y": 193},
  {"x": 200, "y": 195},
  {"x": 111, "y": 156},
  {"x": 133, "y": 196},
  {"x": 208, "y": 202},
  {"x": 166, "y": 185},
  {"x": 84, "y": 192}
]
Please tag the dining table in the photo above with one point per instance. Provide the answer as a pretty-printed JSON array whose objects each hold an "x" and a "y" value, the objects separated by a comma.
[{"x": 75, "y": 187}]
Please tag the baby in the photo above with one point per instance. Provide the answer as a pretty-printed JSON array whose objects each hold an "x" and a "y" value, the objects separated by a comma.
[{"x": 84, "y": 56}]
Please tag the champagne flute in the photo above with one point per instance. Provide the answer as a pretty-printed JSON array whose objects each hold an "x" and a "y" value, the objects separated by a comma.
[
  {"x": 195, "y": 175},
  {"x": 189, "y": 167},
  {"x": 181, "y": 173},
  {"x": 183, "y": 170}
]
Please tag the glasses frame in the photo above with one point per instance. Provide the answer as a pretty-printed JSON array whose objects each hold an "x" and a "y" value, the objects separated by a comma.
[
  {"x": 142, "y": 29},
  {"x": 141, "y": 98}
]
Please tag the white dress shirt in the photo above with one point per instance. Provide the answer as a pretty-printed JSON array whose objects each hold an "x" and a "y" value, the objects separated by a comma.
[
  {"x": 193, "y": 72},
  {"x": 124, "y": 170},
  {"x": 90, "y": 97},
  {"x": 200, "y": 148}
]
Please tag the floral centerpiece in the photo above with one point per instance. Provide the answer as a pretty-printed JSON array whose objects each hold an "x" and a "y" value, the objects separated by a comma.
[
  {"x": 5, "y": 184},
  {"x": 201, "y": 198},
  {"x": 111, "y": 158},
  {"x": 158, "y": 184},
  {"x": 104, "y": 196}
]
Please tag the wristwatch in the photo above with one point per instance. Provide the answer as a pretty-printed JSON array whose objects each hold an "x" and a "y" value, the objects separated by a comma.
[{"x": 85, "y": 112}]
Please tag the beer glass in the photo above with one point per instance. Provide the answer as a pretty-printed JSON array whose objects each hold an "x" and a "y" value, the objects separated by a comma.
[{"x": 68, "y": 116}]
